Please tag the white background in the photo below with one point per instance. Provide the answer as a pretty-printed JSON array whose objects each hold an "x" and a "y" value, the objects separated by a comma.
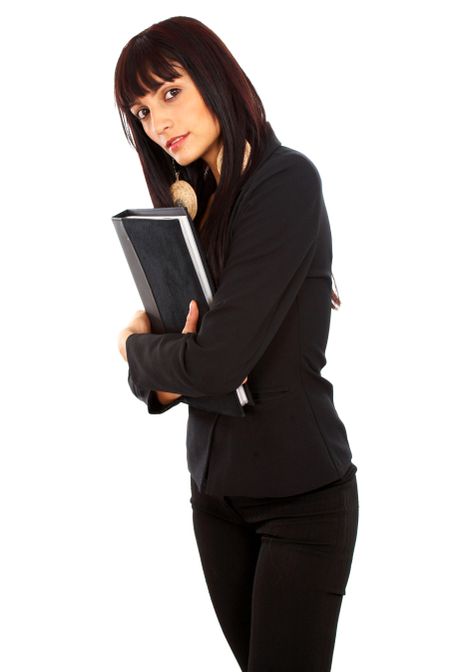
[{"x": 99, "y": 567}]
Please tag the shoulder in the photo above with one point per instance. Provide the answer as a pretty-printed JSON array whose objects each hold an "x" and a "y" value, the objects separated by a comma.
[
  {"x": 287, "y": 181},
  {"x": 288, "y": 168},
  {"x": 284, "y": 190}
]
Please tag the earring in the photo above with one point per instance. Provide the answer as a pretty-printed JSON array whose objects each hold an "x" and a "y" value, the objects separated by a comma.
[
  {"x": 247, "y": 151},
  {"x": 183, "y": 194}
]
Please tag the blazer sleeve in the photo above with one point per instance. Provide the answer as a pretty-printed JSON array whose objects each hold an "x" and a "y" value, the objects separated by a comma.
[
  {"x": 273, "y": 242},
  {"x": 150, "y": 398}
]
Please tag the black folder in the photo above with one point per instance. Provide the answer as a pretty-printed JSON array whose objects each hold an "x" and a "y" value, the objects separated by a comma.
[{"x": 169, "y": 267}]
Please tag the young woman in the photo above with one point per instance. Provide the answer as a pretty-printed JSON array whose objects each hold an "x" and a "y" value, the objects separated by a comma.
[{"x": 274, "y": 492}]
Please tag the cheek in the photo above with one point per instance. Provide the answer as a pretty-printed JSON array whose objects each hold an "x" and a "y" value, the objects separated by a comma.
[
  {"x": 197, "y": 110},
  {"x": 148, "y": 129},
  {"x": 150, "y": 133},
  {"x": 206, "y": 121},
  {"x": 213, "y": 122}
]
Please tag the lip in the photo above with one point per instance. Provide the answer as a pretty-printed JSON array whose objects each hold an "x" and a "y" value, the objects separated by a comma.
[{"x": 173, "y": 145}]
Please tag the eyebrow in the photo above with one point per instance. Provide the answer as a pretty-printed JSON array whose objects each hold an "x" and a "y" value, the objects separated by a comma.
[{"x": 136, "y": 102}]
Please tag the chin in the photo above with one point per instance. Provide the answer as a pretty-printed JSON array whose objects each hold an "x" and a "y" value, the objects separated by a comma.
[{"x": 185, "y": 160}]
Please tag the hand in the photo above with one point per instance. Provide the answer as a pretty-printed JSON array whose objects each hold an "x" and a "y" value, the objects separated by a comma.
[
  {"x": 190, "y": 326},
  {"x": 140, "y": 324}
]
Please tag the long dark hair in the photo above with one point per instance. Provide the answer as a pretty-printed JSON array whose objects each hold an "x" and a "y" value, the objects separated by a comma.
[{"x": 229, "y": 95}]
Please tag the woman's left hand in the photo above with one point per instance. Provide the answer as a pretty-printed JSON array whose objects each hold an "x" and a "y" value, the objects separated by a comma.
[{"x": 140, "y": 324}]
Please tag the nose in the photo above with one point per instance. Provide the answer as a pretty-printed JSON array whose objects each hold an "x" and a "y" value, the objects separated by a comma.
[
  {"x": 159, "y": 127},
  {"x": 161, "y": 133}
]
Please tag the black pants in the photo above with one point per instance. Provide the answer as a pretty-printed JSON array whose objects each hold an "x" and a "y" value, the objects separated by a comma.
[{"x": 276, "y": 570}]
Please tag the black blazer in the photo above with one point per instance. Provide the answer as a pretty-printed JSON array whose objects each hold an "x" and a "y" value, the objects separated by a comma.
[{"x": 269, "y": 319}]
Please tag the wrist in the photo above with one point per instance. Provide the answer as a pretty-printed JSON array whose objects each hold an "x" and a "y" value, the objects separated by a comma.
[
  {"x": 123, "y": 339},
  {"x": 166, "y": 397}
]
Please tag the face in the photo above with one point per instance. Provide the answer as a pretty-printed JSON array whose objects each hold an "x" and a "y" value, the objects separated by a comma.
[{"x": 177, "y": 108}]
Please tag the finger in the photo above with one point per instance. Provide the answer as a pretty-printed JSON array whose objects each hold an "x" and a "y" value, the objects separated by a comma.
[
  {"x": 191, "y": 319},
  {"x": 193, "y": 312}
]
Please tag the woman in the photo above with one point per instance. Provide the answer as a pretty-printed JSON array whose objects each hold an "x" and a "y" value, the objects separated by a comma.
[{"x": 274, "y": 492}]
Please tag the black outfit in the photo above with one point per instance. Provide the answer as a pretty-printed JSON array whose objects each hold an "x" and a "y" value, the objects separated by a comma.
[
  {"x": 269, "y": 319},
  {"x": 276, "y": 570},
  {"x": 274, "y": 493}
]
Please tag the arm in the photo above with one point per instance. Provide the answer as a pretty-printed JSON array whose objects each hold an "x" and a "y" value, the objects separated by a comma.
[
  {"x": 151, "y": 399},
  {"x": 271, "y": 250}
]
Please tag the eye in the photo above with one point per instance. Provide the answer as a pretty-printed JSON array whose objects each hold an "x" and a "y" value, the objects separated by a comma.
[
  {"x": 139, "y": 111},
  {"x": 142, "y": 109},
  {"x": 169, "y": 90}
]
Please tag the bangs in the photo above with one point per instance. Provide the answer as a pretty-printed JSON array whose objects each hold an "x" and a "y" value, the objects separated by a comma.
[{"x": 140, "y": 64}]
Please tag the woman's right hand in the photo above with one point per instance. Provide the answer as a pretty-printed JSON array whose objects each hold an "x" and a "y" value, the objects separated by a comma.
[
  {"x": 166, "y": 397},
  {"x": 189, "y": 327}
]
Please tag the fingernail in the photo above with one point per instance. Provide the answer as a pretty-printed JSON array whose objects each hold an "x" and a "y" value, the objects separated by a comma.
[{"x": 190, "y": 306}]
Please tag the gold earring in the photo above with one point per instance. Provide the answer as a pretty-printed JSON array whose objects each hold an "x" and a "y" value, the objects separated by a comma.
[
  {"x": 183, "y": 194},
  {"x": 247, "y": 151}
]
